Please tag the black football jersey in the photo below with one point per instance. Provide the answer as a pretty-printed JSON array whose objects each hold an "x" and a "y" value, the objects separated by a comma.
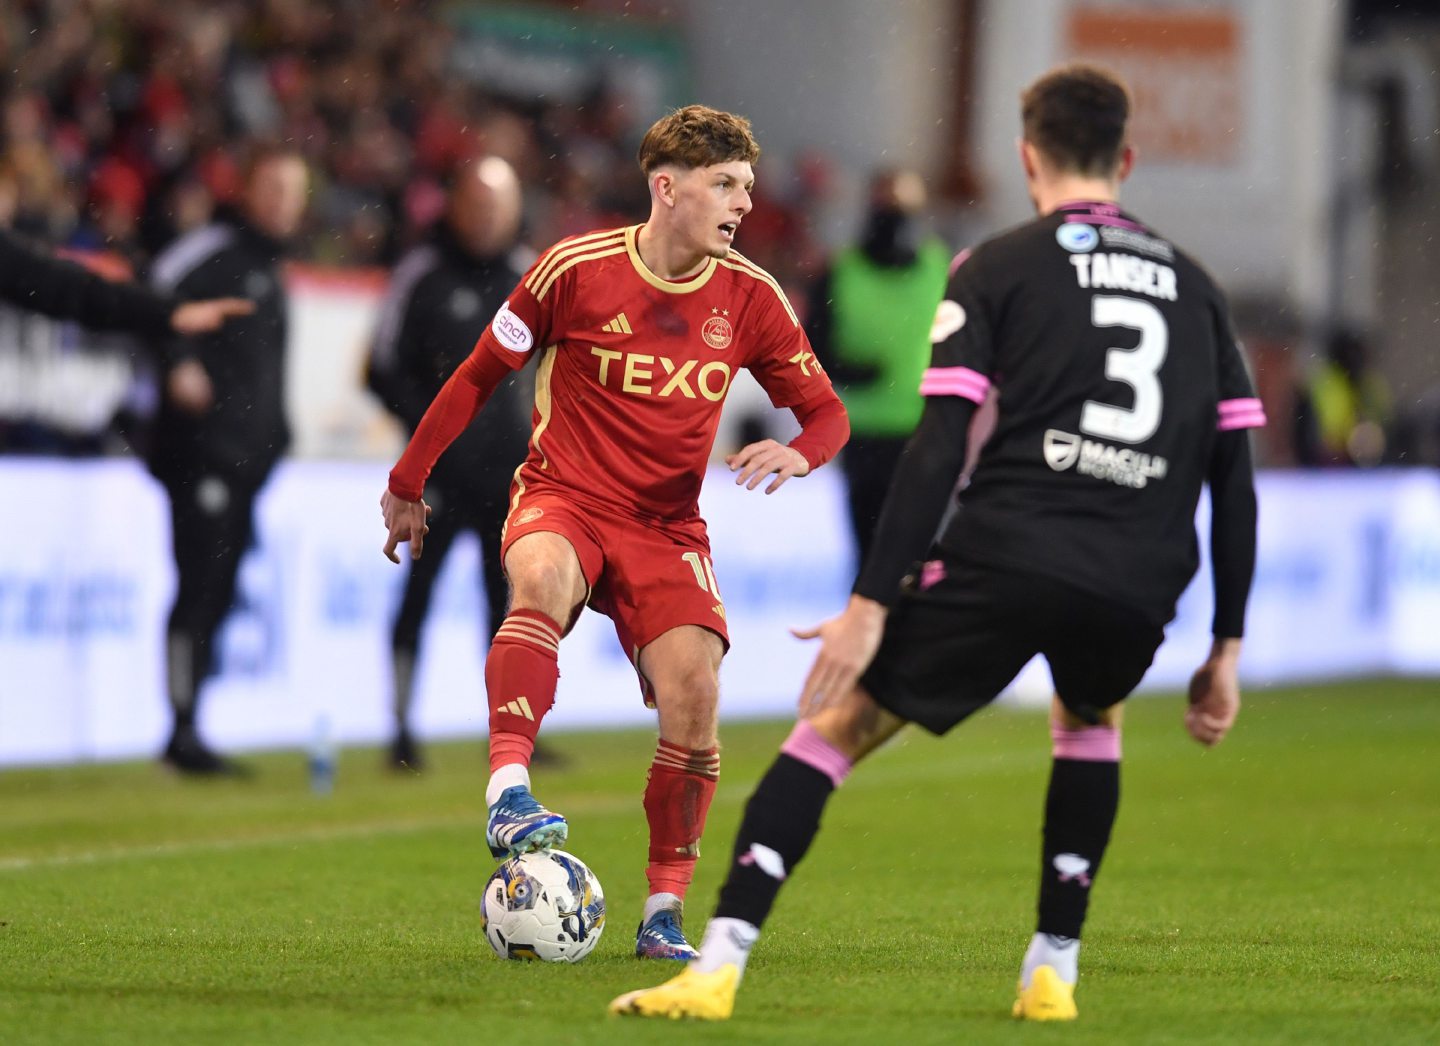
[{"x": 1115, "y": 366}]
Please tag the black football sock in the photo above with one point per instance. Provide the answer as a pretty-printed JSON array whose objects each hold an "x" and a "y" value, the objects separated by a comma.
[
  {"x": 780, "y": 822},
  {"x": 1079, "y": 813}
]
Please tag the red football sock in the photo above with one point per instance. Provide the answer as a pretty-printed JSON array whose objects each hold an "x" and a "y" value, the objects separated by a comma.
[
  {"x": 520, "y": 676},
  {"x": 677, "y": 798}
]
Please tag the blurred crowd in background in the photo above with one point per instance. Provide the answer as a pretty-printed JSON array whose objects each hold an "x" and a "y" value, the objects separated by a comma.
[{"x": 125, "y": 123}]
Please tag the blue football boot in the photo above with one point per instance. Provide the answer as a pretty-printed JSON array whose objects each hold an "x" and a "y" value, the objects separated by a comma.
[
  {"x": 660, "y": 937},
  {"x": 518, "y": 824}
]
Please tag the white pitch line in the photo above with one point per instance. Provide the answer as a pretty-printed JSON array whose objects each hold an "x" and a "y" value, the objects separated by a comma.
[
  {"x": 885, "y": 769},
  {"x": 188, "y": 846},
  {"x": 329, "y": 833}
]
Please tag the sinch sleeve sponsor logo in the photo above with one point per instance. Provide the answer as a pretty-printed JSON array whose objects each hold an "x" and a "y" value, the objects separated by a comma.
[{"x": 510, "y": 330}]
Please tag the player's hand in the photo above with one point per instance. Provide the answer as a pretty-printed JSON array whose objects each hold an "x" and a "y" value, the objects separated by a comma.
[
  {"x": 758, "y": 460},
  {"x": 405, "y": 521},
  {"x": 847, "y": 645},
  {"x": 189, "y": 386},
  {"x": 203, "y": 317},
  {"x": 1215, "y": 694}
]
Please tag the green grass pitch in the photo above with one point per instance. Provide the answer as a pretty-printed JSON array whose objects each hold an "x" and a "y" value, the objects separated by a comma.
[{"x": 1282, "y": 888}]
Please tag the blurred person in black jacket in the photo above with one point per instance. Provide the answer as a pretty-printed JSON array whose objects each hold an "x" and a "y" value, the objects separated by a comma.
[
  {"x": 441, "y": 296},
  {"x": 221, "y": 426}
]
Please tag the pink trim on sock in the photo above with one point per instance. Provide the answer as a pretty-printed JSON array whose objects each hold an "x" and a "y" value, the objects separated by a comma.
[
  {"x": 1094, "y": 744},
  {"x": 806, "y": 745}
]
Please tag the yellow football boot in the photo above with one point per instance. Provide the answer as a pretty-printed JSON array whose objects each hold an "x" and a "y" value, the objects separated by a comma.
[
  {"x": 698, "y": 996},
  {"x": 1047, "y": 999}
]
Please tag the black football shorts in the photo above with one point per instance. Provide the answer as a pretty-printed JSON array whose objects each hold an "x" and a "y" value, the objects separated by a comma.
[{"x": 961, "y": 632}]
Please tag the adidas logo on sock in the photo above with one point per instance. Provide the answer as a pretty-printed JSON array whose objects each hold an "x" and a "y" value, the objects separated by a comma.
[
  {"x": 521, "y": 707},
  {"x": 619, "y": 325}
]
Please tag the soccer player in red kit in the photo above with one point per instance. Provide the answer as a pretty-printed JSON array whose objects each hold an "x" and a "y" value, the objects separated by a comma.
[{"x": 638, "y": 333}]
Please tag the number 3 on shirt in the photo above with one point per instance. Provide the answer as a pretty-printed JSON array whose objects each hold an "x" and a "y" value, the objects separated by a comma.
[{"x": 1136, "y": 367}]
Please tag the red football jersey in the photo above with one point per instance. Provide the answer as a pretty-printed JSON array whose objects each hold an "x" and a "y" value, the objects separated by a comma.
[{"x": 633, "y": 368}]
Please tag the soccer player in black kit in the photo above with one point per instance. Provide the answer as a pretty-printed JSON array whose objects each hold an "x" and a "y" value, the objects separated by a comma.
[{"x": 1121, "y": 391}]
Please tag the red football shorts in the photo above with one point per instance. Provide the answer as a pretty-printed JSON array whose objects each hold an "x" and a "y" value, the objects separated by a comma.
[{"x": 646, "y": 577}]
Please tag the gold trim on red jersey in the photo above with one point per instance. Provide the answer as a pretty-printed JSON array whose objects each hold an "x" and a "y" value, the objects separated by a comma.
[
  {"x": 694, "y": 283},
  {"x": 544, "y": 404},
  {"x": 602, "y": 250},
  {"x": 599, "y": 249},
  {"x": 566, "y": 249},
  {"x": 739, "y": 263}
]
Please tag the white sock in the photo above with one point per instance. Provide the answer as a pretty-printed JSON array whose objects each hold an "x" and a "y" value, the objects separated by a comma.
[
  {"x": 1047, "y": 949},
  {"x": 508, "y": 776},
  {"x": 658, "y": 901},
  {"x": 727, "y": 943}
]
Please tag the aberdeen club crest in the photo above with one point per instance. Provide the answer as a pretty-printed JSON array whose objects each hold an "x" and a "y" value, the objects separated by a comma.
[{"x": 717, "y": 332}]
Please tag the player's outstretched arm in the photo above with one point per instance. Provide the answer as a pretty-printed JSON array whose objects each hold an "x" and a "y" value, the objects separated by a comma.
[
  {"x": 36, "y": 280},
  {"x": 1215, "y": 694},
  {"x": 60, "y": 288},
  {"x": 404, "y": 521},
  {"x": 205, "y": 317}
]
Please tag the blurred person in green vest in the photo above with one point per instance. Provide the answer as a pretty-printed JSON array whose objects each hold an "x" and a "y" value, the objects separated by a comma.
[
  {"x": 869, "y": 323},
  {"x": 1351, "y": 403}
]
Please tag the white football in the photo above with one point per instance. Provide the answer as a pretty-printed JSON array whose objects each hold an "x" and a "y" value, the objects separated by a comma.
[{"x": 546, "y": 905}]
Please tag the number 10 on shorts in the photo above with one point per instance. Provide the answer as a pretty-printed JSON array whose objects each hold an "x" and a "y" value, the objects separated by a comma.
[{"x": 704, "y": 573}]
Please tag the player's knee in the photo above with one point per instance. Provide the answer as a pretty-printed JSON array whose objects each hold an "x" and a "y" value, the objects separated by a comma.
[
  {"x": 842, "y": 728},
  {"x": 1063, "y": 716},
  {"x": 541, "y": 585},
  {"x": 692, "y": 685},
  {"x": 688, "y": 698},
  {"x": 854, "y": 725},
  {"x": 694, "y": 732}
]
